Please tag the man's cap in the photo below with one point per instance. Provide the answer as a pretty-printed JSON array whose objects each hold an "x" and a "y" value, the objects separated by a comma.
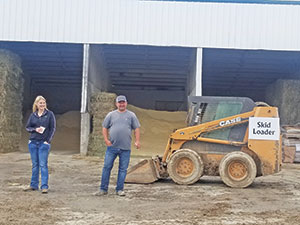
[{"x": 121, "y": 98}]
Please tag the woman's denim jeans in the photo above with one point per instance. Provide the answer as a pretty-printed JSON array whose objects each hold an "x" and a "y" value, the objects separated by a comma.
[
  {"x": 110, "y": 156},
  {"x": 39, "y": 156}
]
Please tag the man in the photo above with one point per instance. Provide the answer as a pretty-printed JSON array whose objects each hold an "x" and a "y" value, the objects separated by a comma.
[{"x": 119, "y": 125}]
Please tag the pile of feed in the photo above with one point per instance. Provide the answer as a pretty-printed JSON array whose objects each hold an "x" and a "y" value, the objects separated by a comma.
[
  {"x": 11, "y": 96},
  {"x": 67, "y": 134},
  {"x": 156, "y": 126}
]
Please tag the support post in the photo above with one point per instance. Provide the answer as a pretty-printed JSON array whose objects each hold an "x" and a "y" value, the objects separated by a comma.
[
  {"x": 198, "y": 83},
  {"x": 85, "y": 116}
]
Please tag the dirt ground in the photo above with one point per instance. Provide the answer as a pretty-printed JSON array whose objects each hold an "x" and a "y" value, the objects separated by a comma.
[{"x": 73, "y": 180}]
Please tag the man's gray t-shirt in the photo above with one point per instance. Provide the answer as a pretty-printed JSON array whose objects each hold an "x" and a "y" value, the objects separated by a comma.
[{"x": 120, "y": 125}]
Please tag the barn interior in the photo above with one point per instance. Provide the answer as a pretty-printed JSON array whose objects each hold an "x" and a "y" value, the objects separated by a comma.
[
  {"x": 151, "y": 77},
  {"x": 249, "y": 73},
  {"x": 54, "y": 71}
]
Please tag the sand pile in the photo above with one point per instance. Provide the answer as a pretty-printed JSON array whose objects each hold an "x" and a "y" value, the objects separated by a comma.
[
  {"x": 11, "y": 89},
  {"x": 101, "y": 103},
  {"x": 156, "y": 126},
  {"x": 67, "y": 135}
]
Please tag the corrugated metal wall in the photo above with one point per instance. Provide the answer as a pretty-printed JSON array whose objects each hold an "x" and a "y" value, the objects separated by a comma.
[{"x": 194, "y": 24}]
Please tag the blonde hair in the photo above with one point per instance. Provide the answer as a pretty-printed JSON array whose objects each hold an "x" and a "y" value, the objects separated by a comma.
[{"x": 37, "y": 99}]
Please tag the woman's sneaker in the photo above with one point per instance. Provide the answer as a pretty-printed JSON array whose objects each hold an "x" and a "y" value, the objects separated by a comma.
[{"x": 44, "y": 191}]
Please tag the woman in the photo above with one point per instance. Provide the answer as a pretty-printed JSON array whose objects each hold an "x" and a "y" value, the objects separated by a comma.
[{"x": 41, "y": 126}]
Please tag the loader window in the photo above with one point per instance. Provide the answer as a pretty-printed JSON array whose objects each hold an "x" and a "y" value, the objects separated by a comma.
[
  {"x": 222, "y": 110},
  {"x": 210, "y": 113},
  {"x": 228, "y": 109},
  {"x": 204, "y": 109}
]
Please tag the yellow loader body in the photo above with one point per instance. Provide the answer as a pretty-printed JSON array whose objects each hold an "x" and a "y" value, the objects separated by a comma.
[{"x": 194, "y": 151}]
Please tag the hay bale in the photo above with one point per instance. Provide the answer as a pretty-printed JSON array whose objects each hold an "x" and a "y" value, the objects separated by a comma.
[
  {"x": 101, "y": 103},
  {"x": 285, "y": 95},
  {"x": 11, "y": 96}
]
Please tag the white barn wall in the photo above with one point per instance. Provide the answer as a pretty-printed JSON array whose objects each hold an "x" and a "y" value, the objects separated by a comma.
[{"x": 193, "y": 24}]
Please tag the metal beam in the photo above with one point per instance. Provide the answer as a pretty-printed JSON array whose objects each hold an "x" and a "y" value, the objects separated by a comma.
[
  {"x": 198, "y": 85},
  {"x": 85, "y": 64}
]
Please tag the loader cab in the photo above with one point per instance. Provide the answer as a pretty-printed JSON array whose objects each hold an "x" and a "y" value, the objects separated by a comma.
[{"x": 204, "y": 109}]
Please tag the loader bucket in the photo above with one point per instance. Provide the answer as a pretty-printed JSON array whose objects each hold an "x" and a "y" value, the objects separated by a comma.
[{"x": 142, "y": 173}]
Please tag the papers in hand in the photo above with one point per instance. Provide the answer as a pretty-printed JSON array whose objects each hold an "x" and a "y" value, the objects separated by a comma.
[{"x": 41, "y": 129}]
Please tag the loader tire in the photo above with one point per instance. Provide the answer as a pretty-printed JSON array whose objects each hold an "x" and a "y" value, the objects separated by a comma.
[
  {"x": 237, "y": 169},
  {"x": 185, "y": 166}
]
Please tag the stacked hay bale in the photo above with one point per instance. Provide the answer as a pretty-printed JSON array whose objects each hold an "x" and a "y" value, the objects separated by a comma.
[
  {"x": 291, "y": 143},
  {"x": 285, "y": 95},
  {"x": 100, "y": 103},
  {"x": 11, "y": 90}
]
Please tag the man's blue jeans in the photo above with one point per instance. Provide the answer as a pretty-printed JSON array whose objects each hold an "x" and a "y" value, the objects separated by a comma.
[
  {"x": 110, "y": 156},
  {"x": 39, "y": 156}
]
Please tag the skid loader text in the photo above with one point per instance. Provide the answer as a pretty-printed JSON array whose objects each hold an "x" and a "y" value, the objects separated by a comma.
[
  {"x": 264, "y": 125},
  {"x": 263, "y": 132}
]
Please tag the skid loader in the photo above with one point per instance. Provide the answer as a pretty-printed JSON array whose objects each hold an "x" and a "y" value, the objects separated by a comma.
[{"x": 230, "y": 137}]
